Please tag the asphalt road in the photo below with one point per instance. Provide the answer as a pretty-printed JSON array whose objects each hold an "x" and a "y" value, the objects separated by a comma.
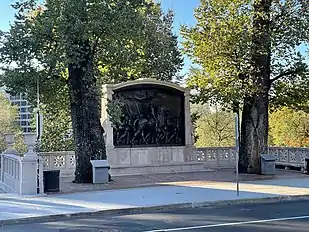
[{"x": 272, "y": 217}]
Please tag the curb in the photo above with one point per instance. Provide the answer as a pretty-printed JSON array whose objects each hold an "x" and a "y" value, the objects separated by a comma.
[{"x": 151, "y": 209}]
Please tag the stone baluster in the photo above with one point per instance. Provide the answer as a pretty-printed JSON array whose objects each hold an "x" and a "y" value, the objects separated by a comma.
[{"x": 9, "y": 139}]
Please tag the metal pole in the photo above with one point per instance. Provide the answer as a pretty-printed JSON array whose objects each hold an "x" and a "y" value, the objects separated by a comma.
[
  {"x": 39, "y": 123},
  {"x": 38, "y": 110},
  {"x": 237, "y": 151},
  {"x": 38, "y": 93},
  {"x": 38, "y": 128}
]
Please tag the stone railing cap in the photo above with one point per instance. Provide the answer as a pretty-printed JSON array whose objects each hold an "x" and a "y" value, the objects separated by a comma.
[
  {"x": 151, "y": 81},
  {"x": 99, "y": 163},
  {"x": 268, "y": 157}
]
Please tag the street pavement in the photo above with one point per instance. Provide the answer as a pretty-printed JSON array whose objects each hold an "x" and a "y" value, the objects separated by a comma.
[{"x": 270, "y": 217}]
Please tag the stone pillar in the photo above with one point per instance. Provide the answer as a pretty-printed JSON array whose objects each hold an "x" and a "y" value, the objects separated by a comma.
[
  {"x": 41, "y": 171},
  {"x": 189, "y": 150},
  {"x": 28, "y": 175},
  {"x": 29, "y": 167},
  {"x": 106, "y": 123},
  {"x": 188, "y": 122}
]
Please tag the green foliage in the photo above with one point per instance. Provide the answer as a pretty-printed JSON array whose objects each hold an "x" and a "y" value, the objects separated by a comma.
[
  {"x": 197, "y": 110},
  {"x": 221, "y": 46},
  {"x": 57, "y": 124},
  {"x": 115, "y": 112},
  {"x": 214, "y": 127},
  {"x": 19, "y": 143},
  {"x": 289, "y": 128},
  {"x": 57, "y": 130},
  {"x": 195, "y": 116},
  {"x": 8, "y": 116},
  {"x": 127, "y": 39}
]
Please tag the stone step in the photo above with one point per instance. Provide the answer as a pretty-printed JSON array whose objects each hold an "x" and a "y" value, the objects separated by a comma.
[{"x": 158, "y": 168}]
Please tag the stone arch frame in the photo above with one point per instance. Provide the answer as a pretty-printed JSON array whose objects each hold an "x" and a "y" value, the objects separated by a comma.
[
  {"x": 109, "y": 89},
  {"x": 149, "y": 81}
]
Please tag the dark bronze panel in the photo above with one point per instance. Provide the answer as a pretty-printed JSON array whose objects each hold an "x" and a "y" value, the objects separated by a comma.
[{"x": 153, "y": 115}]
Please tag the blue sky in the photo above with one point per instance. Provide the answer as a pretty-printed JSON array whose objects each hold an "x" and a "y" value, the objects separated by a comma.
[
  {"x": 6, "y": 14},
  {"x": 184, "y": 14}
]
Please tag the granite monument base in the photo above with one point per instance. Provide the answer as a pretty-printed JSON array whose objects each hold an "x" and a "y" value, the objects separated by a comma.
[{"x": 153, "y": 160}]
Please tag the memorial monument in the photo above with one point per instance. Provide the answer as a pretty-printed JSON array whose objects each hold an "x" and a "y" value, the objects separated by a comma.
[{"x": 154, "y": 131}]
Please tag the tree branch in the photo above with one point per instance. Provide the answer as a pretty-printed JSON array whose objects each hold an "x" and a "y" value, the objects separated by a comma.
[
  {"x": 96, "y": 42},
  {"x": 286, "y": 73}
]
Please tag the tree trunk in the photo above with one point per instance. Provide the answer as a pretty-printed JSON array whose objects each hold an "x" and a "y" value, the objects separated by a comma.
[
  {"x": 254, "y": 134},
  {"x": 254, "y": 125},
  {"x": 85, "y": 114}
]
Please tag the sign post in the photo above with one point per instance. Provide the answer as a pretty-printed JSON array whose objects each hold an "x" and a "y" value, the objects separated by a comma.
[{"x": 237, "y": 150}]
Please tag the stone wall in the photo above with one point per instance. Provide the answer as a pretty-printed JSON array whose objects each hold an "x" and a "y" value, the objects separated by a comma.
[{"x": 149, "y": 155}]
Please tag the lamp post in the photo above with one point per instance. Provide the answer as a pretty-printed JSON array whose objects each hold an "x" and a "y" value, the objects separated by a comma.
[
  {"x": 237, "y": 150},
  {"x": 39, "y": 118}
]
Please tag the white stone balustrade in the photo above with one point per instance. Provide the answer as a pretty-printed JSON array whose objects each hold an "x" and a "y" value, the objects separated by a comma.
[
  {"x": 217, "y": 157},
  {"x": 225, "y": 156},
  {"x": 61, "y": 160},
  {"x": 10, "y": 166},
  {"x": 128, "y": 161},
  {"x": 10, "y": 173},
  {"x": 211, "y": 157},
  {"x": 19, "y": 174},
  {"x": 289, "y": 156}
]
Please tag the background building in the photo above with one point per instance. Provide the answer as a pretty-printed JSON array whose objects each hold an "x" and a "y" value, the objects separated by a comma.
[{"x": 24, "y": 109}]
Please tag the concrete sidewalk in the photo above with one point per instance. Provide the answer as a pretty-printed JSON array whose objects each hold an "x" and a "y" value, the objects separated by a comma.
[
  {"x": 151, "y": 180},
  {"x": 15, "y": 208}
]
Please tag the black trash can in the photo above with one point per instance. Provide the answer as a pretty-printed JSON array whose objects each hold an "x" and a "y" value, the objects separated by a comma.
[{"x": 51, "y": 181}]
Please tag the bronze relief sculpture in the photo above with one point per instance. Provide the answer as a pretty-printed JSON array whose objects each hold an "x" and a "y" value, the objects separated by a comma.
[{"x": 152, "y": 116}]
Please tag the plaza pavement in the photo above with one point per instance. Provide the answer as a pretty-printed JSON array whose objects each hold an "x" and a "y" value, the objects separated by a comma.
[{"x": 15, "y": 208}]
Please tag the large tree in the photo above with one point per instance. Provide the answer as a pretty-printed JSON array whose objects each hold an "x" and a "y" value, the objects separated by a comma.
[
  {"x": 247, "y": 56},
  {"x": 78, "y": 45}
]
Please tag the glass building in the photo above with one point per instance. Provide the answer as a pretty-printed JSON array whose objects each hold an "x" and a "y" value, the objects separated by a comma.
[{"x": 24, "y": 109}]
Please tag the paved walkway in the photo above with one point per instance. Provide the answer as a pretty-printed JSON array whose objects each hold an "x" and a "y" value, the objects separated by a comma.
[
  {"x": 17, "y": 207},
  {"x": 123, "y": 182}
]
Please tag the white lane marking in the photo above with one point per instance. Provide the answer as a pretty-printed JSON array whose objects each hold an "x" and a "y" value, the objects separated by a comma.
[{"x": 229, "y": 224}]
